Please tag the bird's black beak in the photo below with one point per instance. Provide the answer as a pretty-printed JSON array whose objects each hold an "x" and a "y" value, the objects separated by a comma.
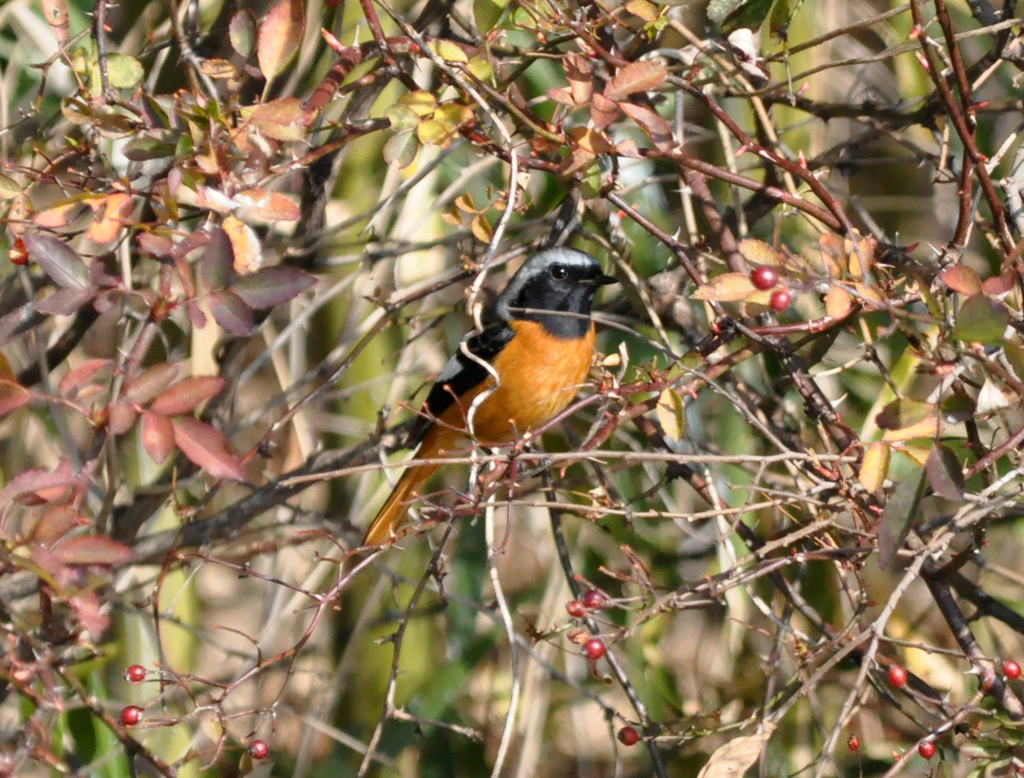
[{"x": 602, "y": 280}]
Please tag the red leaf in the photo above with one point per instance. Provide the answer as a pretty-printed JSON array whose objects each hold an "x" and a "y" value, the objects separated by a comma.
[
  {"x": 635, "y": 77},
  {"x": 59, "y": 262},
  {"x": 215, "y": 264},
  {"x": 272, "y": 286},
  {"x": 157, "y": 245},
  {"x": 122, "y": 418},
  {"x": 82, "y": 374},
  {"x": 65, "y": 302},
  {"x": 279, "y": 36},
  {"x": 231, "y": 312},
  {"x": 1001, "y": 284},
  {"x": 157, "y": 436},
  {"x": 185, "y": 395},
  {"x": 945, "y": 473},
  {"x": 207, "y": 448},
  {"x": 92, "y": 550},
  {"x": 38, "y": 486},
  {"x": 961, "y": 279},
  {"x": 151, "y": 383},
  {"x": 56, "y": 523}
]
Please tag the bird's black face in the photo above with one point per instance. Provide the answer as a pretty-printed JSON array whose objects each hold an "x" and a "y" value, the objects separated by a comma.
[{"x": 555, "y": 287}]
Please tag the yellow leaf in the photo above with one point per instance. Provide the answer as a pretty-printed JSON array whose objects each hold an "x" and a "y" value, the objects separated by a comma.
[
  {"x": 757, "y": 252},
  {"x": 448, "y": 51},
  {"x": 672, "y": 414},
  {"x": 875, "y": 467},
  {"x": 930, "y": 427},
  {"x": 419, "y": 102}
]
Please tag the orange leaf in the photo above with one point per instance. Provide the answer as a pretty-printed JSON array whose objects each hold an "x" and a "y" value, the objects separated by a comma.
[
  {"x": 12, "y": 396},
  {"x": 56, "y": 13},
  {"x": 961, "y": 279},
  {"x": 838, "y": 303},
  {"x": 728, "y": 287},
  {"x": 635, "y": 77},
  {"x": 280, "y": 36},
  {"x": 117, "y": 209},
  {"x": 577, "y": 70},
  {"x": 248, "y": 256},
  {"x": 57, "y": 215},
  {"x": 92, "y": 550},
  {"x": 650, "y": 122},
  {"x": 268, "y": 206}
]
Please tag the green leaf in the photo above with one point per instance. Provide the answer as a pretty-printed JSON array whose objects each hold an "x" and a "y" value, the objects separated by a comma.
[
  {"x": 731, "y": 15},
  {"x": 487, "y": 14},
  {"x": 242, "y": 33},
  {"x": 124, "y": 72},
  {"x": 8, "y": 188},
  {"x": 590, "y": 185},
  {"x": 401, "y": 148},
  {"x": 898, "y": 516},
  {"x": 981, "y": 320},
  {"x": 402, "y": 117}
]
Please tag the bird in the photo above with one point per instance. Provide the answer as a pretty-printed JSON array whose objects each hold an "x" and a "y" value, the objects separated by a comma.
[{"x": 532, "y": 358}]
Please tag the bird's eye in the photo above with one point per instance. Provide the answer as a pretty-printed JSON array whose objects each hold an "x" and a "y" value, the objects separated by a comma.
[{"x": 559, "y": 272}]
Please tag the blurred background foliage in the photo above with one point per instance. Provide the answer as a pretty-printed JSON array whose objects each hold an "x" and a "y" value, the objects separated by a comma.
[{"x": 780, "y": 530}]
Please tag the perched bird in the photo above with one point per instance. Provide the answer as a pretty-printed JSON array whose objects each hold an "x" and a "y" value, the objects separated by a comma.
[{"x": 540, "y": 346}]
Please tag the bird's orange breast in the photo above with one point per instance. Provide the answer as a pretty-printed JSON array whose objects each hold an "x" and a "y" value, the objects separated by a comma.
[{"x": 540, "y": 375}]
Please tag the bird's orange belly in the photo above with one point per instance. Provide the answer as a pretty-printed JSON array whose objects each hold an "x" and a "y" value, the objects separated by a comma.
[{"x": 540, "y": 376}]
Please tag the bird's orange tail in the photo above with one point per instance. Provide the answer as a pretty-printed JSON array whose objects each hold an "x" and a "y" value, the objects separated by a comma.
[{"x": 394, "y": 510}]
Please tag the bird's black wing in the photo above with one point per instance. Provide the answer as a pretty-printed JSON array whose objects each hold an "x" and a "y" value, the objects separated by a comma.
[{"x": 460, "y": 375}]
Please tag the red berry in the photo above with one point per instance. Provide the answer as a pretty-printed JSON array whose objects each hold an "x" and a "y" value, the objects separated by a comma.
[
  {"x": 780, "y": 300},
  {"x": 131, "y": 715},
  {"x": 1011, "y": 669},
  {"x": 853, "y": 743},
  {"x": 628, "y": 736},
  {"x": 258, "y": 749},
  {"x": 18, "y": 253},
  {"x": 135, "y": 674},
  {"x": 926, "y": 749},
  {"x": 576, "y": 609},
  {"x": 764, "y": 278},
  {"x": 897, "y": 676},
  {"x": 594, "y": 648},
  {"x": 595, "y": 599}
]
